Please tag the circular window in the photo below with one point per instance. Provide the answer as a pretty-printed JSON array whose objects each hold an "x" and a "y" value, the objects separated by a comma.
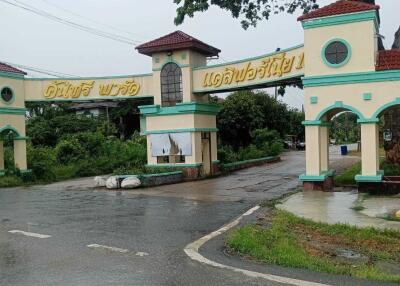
[
  {"x": 336, "y": 53},
  {"x": 7, "y": 95}
]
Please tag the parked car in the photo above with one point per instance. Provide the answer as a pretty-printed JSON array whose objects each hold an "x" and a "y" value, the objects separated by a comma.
[
  {"x": 301, "y": 145},
  {"x": 288, "y": 144}
]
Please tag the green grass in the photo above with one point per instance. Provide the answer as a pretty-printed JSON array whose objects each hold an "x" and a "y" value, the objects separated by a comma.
[
  {"x": 282, "y": 244},
  {"x": 347, "y": 178}
]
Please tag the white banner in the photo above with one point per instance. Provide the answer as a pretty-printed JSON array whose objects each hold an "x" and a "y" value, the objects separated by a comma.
[{"x": 171, "y": 144}]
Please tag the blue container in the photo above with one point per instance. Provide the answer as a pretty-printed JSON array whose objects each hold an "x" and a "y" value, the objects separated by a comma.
[{"x": 343, "y": 150}]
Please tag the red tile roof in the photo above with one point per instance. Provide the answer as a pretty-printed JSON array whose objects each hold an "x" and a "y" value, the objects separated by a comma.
[
  {"x": 388, "y": 60},
  {"x": 9, "y": 69},
  {"x": 177, "y": 41},
  {"x": 338, "y": 8}
]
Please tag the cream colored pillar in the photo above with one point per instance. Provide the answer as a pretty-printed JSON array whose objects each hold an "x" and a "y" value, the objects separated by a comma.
[
  {"x": 370, "y": 150},
  {"x": 324, "y": 141},
  {"x": 1, "y": 156},
  {"x": 313, "y": 150},
  {"x": 20, "y": 154}
]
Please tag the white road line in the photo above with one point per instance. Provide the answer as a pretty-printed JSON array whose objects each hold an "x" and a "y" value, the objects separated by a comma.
[
  {"x": 31, "y": 234},
  {"x": 111, "y": 248},
  {"x": 141, "y": 254},
  {"x": 192, "y": 250}
]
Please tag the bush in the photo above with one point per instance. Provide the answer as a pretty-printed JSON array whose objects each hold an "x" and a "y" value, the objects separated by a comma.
[
  {"x": 41, "y": 160},
  {"x": 10, "y": 181},
  {"x": 69, "y": 150},
  {"x": 251, "y": 152},
  {"x": 276, "y": 148},
  {"x": 226, "y": 154}
]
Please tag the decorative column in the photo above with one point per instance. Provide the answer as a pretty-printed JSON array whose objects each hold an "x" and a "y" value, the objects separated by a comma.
[
  {"x": 317, "y": 176},
  {"x": 324, "y": 143},
  {"x": 20, "y": 155},
  {"x": 2, "y": 168},
  {"x": 370, "y": 172}
]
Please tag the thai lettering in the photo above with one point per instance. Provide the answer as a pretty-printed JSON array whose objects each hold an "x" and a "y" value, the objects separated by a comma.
[
  {"x": 128, "y": 88},
  {"x": 68, "y": 90},
  {"x": 64, "y": 89},
  {"x": 275, "y": 66}
]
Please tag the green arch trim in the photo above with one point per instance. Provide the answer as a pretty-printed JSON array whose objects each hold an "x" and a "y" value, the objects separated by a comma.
[
  {"x": 337, "y": 105},
  {"x": 385, "y": 106},
  {"x": 349, "y": 53},
  {"x": 9, "y": 127},
  {"x": 170, "y": 61}
]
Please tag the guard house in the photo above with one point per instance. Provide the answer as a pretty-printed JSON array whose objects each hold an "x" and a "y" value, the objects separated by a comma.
[{"x": 181, "y": 125}]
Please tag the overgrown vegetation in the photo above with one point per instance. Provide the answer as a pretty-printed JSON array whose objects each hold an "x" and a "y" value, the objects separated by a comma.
[
  {"x": 347, "y": 177},
  {"x": 291, "y": 241},
  {"x": 63, "y": 145},
  {"x": 252, "y": 124}
]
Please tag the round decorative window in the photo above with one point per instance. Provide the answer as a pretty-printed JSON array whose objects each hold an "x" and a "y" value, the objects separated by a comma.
[
  {"x": 336, "y": 53},
  {"x": 7, "y": 95}
]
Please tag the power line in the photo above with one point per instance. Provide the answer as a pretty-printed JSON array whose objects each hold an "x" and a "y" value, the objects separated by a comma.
[
  {"x": 47, "y": 15},
  {"x": 41, "y": 70},
  {"x": 89, "y": 19}
]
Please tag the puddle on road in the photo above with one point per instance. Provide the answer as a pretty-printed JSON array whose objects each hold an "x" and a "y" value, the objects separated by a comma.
[{"x": 336, "y": 207}]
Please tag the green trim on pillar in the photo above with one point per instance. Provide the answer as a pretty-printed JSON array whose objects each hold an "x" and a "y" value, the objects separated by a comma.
[
  {"x": 313, "y": 99},
  {"x": 27, "y": 171},
  {"x": 339, "y": 105},
  {"x": 317, "y": 178},
  {"x": 329, "y": 173},
  {"x": 352, "y": 78},
  {"x": 368, "y": 121},
  {"x": 312, "y": 178},
  {"x": 2, "y": 173},
  {"x": 216, "y": 161},
  {"x": 341, "y": 20},
  {"x": 194, "y": 165},
  {"x": 316, "y": 123},
  {"x": 347, "y": 59},
  {"x": 367, "y": 96},
  {"x": 179, "y": 109},
  {"x": 386, "y": 106},
  {"x": 12, "y": 110},
  {"x": 369, "y": 179},
  {"x": 22, "y": 138},
  {"x": 180, "y": 130}
]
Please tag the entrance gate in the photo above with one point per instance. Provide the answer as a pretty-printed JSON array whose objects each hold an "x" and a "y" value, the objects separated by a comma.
[{"x": 339, "y": 69}]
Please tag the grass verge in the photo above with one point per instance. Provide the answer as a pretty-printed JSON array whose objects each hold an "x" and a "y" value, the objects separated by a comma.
[{"x": 291, "y": 241}]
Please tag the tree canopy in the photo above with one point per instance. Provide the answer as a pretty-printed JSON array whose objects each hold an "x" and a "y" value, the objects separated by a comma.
[
  {"x": 252, "y": 11},
  {"x": 243, "y": 112}
]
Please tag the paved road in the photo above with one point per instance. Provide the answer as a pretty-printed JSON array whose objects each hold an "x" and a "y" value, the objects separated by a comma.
[{"x": 148, "y": 229}]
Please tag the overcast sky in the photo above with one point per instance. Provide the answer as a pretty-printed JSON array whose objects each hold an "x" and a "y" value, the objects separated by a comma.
[{"x": 32, "y": 40}]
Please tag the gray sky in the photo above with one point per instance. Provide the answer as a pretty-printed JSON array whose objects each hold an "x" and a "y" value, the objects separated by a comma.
[{"x": 31, "y": 40}]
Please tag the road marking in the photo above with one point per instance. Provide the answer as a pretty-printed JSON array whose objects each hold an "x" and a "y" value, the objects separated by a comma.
[
  {"x": 31, "y": 234},
  {"x": 141, "y": 254},
  {"x": 111, "y": 248},
  {"x": 192, "y": 250}
]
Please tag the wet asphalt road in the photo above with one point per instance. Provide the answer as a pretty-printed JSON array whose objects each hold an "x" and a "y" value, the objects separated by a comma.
[{"x": 157, "y": 222}]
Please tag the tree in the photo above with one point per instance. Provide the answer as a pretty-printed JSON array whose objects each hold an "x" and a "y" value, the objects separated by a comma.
[
  {"x": 244, "y": 112},
  {"x": 253, "y": 11}
]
